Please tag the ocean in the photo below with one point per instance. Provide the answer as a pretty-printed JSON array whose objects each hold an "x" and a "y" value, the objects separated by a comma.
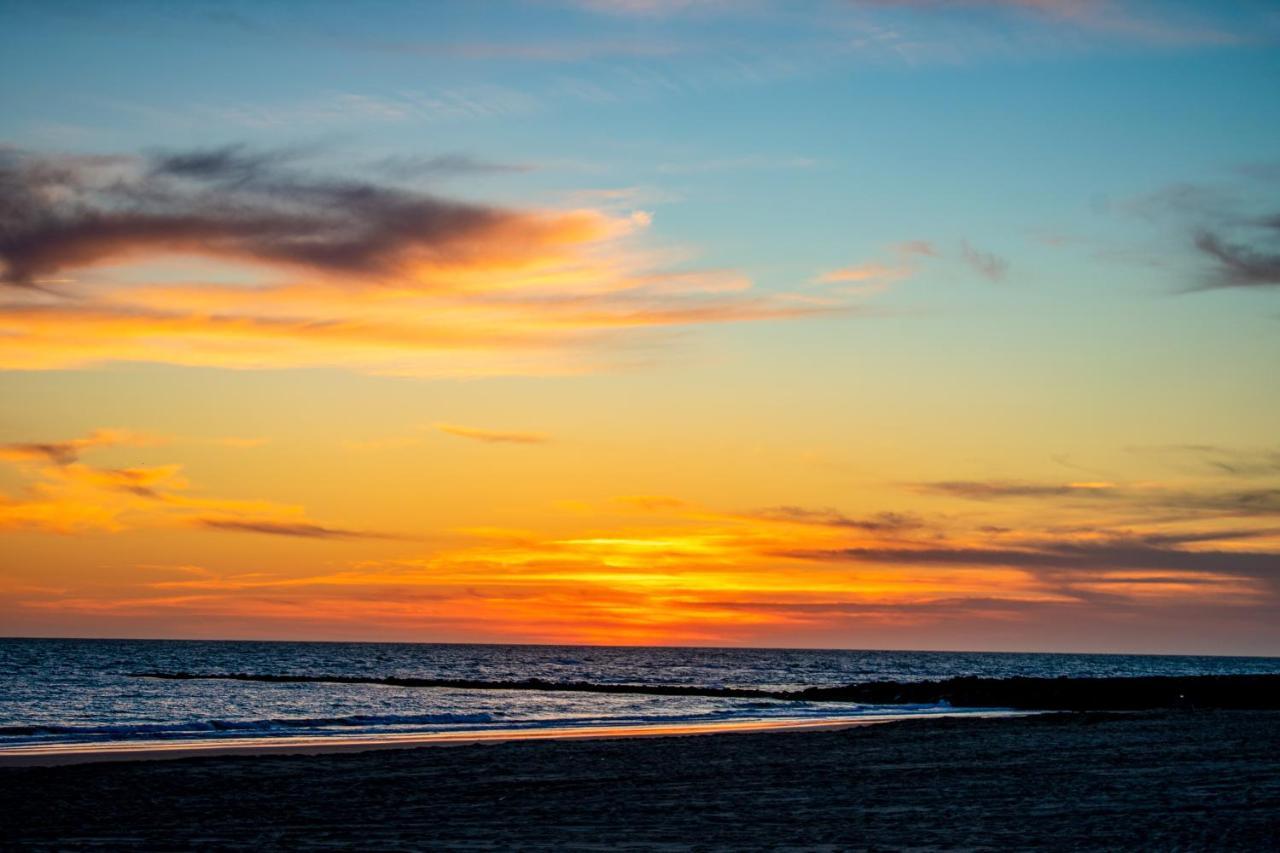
[{"x": 88, "y": 691}]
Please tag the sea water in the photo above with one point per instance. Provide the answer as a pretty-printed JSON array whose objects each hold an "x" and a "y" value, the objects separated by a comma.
[{"x": 87, "y": 691}]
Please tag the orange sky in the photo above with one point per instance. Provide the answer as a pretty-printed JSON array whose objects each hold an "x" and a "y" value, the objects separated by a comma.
[
  {"x": 837, "y": 324},
  {"x": 665, "y": 495},
  {"x": 109, "y": 538}
]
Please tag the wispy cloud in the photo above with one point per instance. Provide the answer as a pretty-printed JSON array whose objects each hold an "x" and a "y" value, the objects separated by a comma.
[
  {"x": 863, "y": 274},
  {"x": 883, "y": 522},
  {"x": 1240, "y": 264},
  {"x": 875, "y": 276},
  {"x": 1089, "y": 563},
  {"x": 996, "y": 489},
  {"x": 63, "y": 494},
  {"x": 447, "y": 165},
  {"x": 1231, "y": 461},
  {"x": 312, "y": 270},
  {"x": 294, "y": 529},
  {"x": 493, "y": 436},
  {"x": 68, "y": 452},
  {"x": 986, "y": 264},
  {"x": 1120, "y": 20},
  {"x": 1204, "y": 500},
  {"x": 1231, "y": 225}
]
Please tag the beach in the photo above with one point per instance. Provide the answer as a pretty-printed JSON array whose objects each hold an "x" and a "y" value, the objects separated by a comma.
[
  {"x": 1167, "y": 779},
  {"x": 62, "y": 754}
]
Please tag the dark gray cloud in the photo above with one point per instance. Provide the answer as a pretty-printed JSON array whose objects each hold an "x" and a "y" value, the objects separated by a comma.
[
  {"x": 959, "y": 606},
  {"x": 301, "y": 530},
  {"x": 1191, "y": 537},
  {"x": 1259, "y": 502},
  {"x": 66, "y": 452},
  {"x": 1135, "y": 553},
  {"x": 1225, "y": 225},
  {"x": 57, "y": 452},
  {"x": 61, "y": 213},
  {"x": 1238, "y": 264},
  {"x": 882, "y": 522},
  {"x": 996, "y": 489},
  {"x": 134, "y": 481}
]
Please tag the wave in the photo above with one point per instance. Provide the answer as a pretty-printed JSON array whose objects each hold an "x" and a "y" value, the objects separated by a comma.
[
  {"x": 909, "y": 699},
  {"x": 272, "y": 725},
  {"x": 427, "y": 722},
  {"x": 480, "y": 684},
  {"x": 1019, "y": 692},
  {"x": 1023, "y": 693}
]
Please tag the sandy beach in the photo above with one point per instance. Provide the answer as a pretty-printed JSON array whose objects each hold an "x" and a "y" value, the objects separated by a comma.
[
  {"x": 61, "y": 754},
  {"x": 1156, "y": 780}
]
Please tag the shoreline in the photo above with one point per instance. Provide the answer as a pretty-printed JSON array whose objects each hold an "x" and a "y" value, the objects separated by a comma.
[{"x": 63, "y": 754}]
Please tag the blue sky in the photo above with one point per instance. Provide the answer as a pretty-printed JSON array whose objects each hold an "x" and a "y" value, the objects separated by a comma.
[{"x": 745, "y": 126}]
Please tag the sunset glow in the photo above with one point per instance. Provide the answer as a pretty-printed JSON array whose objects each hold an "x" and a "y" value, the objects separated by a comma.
[{"x": 757, "y": 324}]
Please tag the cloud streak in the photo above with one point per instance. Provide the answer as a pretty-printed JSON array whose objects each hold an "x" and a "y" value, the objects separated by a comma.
[
  {"x": 1256, "y": 501},
  {"x": 873, "y": 276},
  {"x": 883, "y": 522},
  {"x": 1072, "y": 555},
  {"x": 293, "y": 529},
  {"x": 68, "y": 452},
  {"x": 493, "y": 436},
  {"x": 1113, "y": 19},
  {"x": 447, "y": 165},
  {"x": 986, "y": 264},
  {"x": 63, "y": 494}
]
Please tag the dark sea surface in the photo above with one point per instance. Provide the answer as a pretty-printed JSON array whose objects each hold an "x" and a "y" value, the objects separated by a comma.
[{"x": 61, "y": 691}]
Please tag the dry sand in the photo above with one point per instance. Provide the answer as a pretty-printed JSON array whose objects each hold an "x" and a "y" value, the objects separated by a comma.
[{"x": 1169, "y": 780}]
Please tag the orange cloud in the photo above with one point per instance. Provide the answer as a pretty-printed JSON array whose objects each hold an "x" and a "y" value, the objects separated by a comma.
[
  {"x": 875, "y": 277},
  {"x": 68, "y": 452},
  {"x": 295, "y": 529},
  {"x": 66, "y": 496},
  {"x": 863, "y": 273}
]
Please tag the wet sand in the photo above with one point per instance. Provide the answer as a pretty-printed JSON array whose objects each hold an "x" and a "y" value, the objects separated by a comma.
[
  {"x": 62, "y": 754},
  {"x": 1161, "y": 780}
]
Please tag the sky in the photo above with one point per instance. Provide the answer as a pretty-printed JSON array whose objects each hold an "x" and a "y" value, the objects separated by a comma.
[{"x": 904, "y": 324}]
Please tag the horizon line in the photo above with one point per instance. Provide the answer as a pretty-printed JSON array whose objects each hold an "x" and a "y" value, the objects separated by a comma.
[{"x": 6, "y": 637}]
